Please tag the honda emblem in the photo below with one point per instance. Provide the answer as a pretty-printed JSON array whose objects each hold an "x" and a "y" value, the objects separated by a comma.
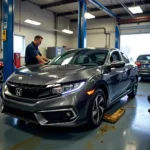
[{"x": 18, "y": 92}]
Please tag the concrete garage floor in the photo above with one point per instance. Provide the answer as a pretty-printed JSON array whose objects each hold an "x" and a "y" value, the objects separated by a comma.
[{"x": 131, "y": 132}]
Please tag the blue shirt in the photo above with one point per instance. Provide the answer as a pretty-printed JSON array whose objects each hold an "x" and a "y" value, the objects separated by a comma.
[{"x": 31, "y": 52}]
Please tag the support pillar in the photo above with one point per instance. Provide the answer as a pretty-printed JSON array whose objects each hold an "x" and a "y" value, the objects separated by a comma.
[
  {"x": 8, "y": 28},
  {"x": 117, "y": 37},
  {"x": 82, "y": 8}
]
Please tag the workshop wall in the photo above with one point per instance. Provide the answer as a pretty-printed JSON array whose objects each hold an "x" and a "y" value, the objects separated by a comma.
[
  {"x": 62, "y": 38},
  {"x": 97, "y": 38},
  {"x": 26, "y": 10}
]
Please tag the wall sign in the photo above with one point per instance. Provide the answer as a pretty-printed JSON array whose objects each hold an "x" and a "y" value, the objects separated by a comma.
[
  {"x": 4, "y": 35},
  {"x": 5, "y": 25}
]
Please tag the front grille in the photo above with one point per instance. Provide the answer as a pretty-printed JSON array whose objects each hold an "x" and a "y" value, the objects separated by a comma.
[
  {"x": 19, "y": 99},
  {"x": 20, "y": 114},
  {"x": 28, "y": 91}
]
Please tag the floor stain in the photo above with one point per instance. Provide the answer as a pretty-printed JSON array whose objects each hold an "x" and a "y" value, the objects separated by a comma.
[
  {"x": 28, "y": 144},
  {"x": 102, "y": 141},
  {"x": 140, "y": 95},
  {"x": 89, "y": 146},
  {"x": 145, "y": 91},
  {"x": 103, "y": 130}
]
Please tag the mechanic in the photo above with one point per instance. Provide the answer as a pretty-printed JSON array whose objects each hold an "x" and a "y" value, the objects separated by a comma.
[
  {"x": 65, "y": 48},
  {"x": 33, "y": 55}
]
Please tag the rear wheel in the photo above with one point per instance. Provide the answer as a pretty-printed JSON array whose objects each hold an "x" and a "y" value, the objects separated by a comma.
[
  {"x": 96, "y": 109},
  {"x": 134, "y": 90}
]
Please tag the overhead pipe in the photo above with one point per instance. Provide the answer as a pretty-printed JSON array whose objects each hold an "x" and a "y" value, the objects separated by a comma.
[
  {"x": 56, "y": 27},
  {"x": 125, "y": 7},
  {"x": 109, "y": 39},
  {"x": 105, "y": 32},
  {"x": 135, "y": 20}
]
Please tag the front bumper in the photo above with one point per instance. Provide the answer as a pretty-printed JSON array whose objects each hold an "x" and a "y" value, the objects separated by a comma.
[{"x": 69, "y": 110}]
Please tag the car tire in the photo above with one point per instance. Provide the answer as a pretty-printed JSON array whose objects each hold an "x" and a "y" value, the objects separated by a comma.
[
  {"x": 96, "y": 109},
  {"x": 134, "y": 90}
]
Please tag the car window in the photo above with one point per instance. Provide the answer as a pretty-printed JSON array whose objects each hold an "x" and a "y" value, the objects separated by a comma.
[
  {"x": 82, "y": 57},
  {"x": 91, "y": 58},
  {"x": 125, "y": 58},
  {"x": 144, "y": 57},
  {"x": 115, "y": 56}
]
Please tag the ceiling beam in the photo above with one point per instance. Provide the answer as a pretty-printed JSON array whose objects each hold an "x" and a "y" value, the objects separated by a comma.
[
  {"x": 59, "y": 3},
  {"x": 146, "y": 13},
  {"x": 111, "y": 7}
]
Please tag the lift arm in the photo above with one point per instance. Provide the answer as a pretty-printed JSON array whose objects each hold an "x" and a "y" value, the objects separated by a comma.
[{"x": 100, "y": 6}]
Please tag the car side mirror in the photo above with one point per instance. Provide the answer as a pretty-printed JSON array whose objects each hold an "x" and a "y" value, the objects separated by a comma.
[{"x": 117, "y": 64}]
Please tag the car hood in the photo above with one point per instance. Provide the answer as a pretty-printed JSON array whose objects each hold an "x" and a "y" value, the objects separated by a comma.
[{"x": 50, "y": 74}]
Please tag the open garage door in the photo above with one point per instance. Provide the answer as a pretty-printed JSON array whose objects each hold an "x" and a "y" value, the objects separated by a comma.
[{"x": 135, "y": 40}]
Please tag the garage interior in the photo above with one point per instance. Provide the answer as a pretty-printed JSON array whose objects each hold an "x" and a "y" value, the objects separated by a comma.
[{"x": 112, "y": 25}]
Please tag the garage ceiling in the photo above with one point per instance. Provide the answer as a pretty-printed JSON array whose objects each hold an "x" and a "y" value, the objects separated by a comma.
[{"x": 69, "y": 8}]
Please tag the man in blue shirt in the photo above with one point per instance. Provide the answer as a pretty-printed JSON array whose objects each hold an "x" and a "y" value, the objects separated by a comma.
[{"x": 33, "y": 55}]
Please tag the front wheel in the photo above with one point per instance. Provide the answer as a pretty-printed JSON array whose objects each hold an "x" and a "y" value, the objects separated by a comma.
[
  {"x": 96, "y": 109},
  {"x": 134, "y": 90}
]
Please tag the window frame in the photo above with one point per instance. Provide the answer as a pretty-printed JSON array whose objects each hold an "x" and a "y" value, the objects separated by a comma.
[
  {"x": 123, "y": 54},
  {"x": 22, "y": 53},
  {"x": 114, "y": 51}
]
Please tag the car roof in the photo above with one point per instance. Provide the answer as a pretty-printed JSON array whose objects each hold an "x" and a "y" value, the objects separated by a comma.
[
  {"x": 89, "y": 48},
  {"x": 144, "y": 55}
]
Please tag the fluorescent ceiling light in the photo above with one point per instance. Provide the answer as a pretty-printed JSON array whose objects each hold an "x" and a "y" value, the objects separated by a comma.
[
  {"x": 67, "y": 31},
  {"x": 136, "y": 9},
  {"x": 89, "y": 16},
  {"x": 32, "y": 22}
]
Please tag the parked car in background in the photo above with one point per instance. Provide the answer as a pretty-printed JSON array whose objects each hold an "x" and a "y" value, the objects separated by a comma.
[
  {"x": 143, "y": 64},
  {"x": 73, "y": 89}
]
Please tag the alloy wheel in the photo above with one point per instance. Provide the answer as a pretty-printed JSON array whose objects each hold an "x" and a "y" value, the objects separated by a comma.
[{"x": 98, "y": 108}]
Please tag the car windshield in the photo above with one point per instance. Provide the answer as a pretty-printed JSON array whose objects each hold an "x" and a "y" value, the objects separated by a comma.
[
  {"x": 144, "y": 57},
  {"x": 81, "y": 57}
]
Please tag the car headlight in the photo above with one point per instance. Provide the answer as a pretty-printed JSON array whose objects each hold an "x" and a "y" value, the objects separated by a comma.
[
  {"x": 4, "y": 88},
  {"x": 69, "y": 88}
]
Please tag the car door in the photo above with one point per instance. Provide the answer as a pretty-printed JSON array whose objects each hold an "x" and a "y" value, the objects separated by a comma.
[
  {"x": 127, "y": 73},
  {"x": 117, "y": 76}
]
